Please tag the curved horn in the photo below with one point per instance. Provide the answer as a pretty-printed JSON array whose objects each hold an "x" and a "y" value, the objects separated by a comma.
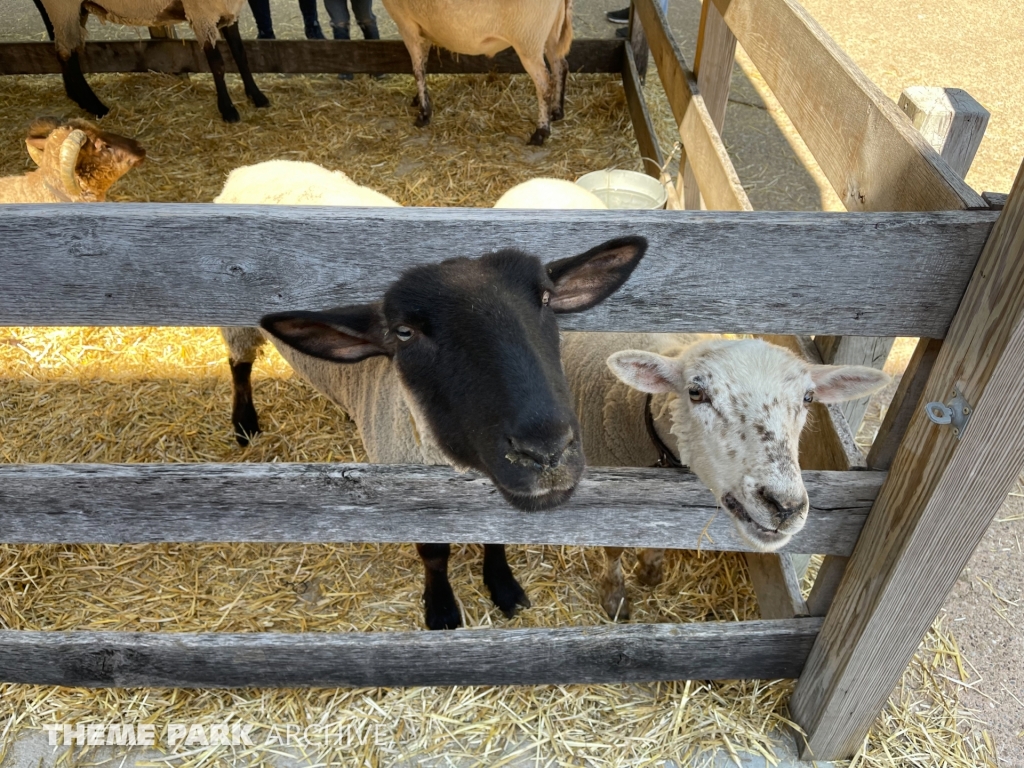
[{"x": 69, "y": 159}]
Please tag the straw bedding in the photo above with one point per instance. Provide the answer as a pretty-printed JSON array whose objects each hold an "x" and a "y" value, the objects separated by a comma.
[{"x": 146, "y": 395}]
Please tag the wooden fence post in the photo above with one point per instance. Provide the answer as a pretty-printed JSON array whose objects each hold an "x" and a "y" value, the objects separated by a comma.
[
  {"x": 953, "y": 123},
  {"x": 939, "y": 498}
]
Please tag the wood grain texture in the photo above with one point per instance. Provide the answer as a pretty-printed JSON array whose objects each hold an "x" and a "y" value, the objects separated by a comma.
[
  {"x": 715, "y": 174},
  {"x": 866, "y": 147},
  {"x": 826, "y": 583},
  {"x": 950, "y": 119},
  {"x": 640, "y": 117},
  {"x": 939, "y": 499},
  {"x": 77, "y": 503},
  {"x": 638, "y": 44},
  {"x": 712, "y": 66},
  {"x": 203, "y": 265},
  {"x": 777, "y": 586},
  {"x": 996, "y": 200},
  {"x": 604, "y": 654},
  {"x": 904, "y": 403},
  {"x": 289, "y": 56}
]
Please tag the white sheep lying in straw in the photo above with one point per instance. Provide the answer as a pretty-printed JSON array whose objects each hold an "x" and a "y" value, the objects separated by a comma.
[
  {"x": 288, "y": 182},
  {"x": 730, "y": 409},
  {"x": 534, "y": 28},
  {"x": 77, "y": 162}
]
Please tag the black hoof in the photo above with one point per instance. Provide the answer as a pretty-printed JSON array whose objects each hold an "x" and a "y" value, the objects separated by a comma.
[
  {"x": 442, "y": 612},
  {"x": 96, "y": 108},
  {"x": 229, "y": 113},
  {"x": 247, "y": 425},
  {"x": 258, "y": 100},
  {"x": 422, "y": 120},
  {"x": 558, "y": 114},
  {"x": 509, "y": 596},
  {"x": 537, "y": 139},
  {"x": 416, "y": 100}
]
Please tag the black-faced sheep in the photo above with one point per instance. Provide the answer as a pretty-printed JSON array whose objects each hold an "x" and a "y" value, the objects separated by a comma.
[
  {"x": 77, "y": 162},
  {"x": 69, "y": 17},
  {"x": 534, "y": 28}
]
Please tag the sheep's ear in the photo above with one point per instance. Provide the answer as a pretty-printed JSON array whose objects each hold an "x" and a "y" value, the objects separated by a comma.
[
  {"x": 646, "y": 371},
  {"x": 836, "y": 383},
  {"x": 584, "y": 281},
  {"x": 345, "y": 335},
  {"x": 35, "y": 147}
]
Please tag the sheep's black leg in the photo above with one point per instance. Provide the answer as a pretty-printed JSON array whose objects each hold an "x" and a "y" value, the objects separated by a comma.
[
  {"x": 46, "y": 19},
  {"x": 224, "y": 104},
  {"x": 243, "y": 411},
  {"x": 238, "y": 52},
  {"x": 442, "y": 612},
  {"x": 505, "y": 590},
  {"x": 78, "y": 88}
]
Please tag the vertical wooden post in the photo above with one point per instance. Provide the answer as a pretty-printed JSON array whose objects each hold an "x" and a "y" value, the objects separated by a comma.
[
  {"x": 638, "y": 42},
  {"x": 716, "y": 50},
  {"x": 954, "y": 124},
  {"x": 939, "y": 498}
]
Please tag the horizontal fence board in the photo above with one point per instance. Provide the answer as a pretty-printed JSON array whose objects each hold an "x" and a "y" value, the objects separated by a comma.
[
  {"x": 602, "y": 654},
  {"x": 134, "y": 503},
  {"x": 289, "y": 56},
  {"x": 865, "y": 274}
]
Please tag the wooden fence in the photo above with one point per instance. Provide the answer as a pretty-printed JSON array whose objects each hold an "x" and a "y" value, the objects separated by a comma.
[{"x": 921, "y": 254}]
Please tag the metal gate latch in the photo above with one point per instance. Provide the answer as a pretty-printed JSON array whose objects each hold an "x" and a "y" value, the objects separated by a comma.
[{"x": 956, "y": 412}]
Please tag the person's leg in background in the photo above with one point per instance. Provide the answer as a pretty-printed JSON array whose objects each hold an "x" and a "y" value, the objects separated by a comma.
[
  {"x": 363, "y": 10},
  {"x": 310, "y": 20}
]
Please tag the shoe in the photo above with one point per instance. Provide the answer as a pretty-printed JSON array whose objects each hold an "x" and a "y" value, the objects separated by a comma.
[
  {"x": 622, "y": 32},
  {"x": 265, "y": 35},
  {"x": 618, "y": 17},
  {"x": 313, "y": 31},
  {"x": 344, "y": 75}
]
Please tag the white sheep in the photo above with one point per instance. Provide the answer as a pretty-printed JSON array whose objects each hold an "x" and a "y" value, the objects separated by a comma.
[
  {"x": 546, "y": 193},
  {"x": 77, "y": 162},
  {"x": 730, "y": 409},
  {"x": 457, "y": 364},
  {"x": 69, "y": 17},
  {"x": 534, "y": 28}
]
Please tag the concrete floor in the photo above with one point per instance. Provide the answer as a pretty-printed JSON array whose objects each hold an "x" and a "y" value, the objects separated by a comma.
[{"x": 897, "y": 43}]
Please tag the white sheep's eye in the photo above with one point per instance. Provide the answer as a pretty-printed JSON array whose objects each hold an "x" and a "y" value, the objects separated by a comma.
[
  {"x": 809, "y": 397},
  {"x": 403, "y": 332},
  {"x": 545, "y": 298},
  {"x": 697, "y": 395}
]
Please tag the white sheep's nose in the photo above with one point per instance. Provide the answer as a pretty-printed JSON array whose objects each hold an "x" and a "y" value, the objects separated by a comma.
[{"x": 782, "y": 507}]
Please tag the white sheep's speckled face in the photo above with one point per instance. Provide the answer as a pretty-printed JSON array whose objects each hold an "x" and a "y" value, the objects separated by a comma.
[{"x": 741, "y": 407}]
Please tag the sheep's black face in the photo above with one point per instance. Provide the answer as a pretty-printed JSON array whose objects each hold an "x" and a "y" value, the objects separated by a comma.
[{"x": 475, "y": 342}]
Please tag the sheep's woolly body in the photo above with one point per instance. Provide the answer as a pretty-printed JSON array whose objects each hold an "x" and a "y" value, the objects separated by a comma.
[
  {"x": 611, "y": 413},
  {"x": 543, "y": 193},
  {"x": 42, "y": 185},
  {"x": 287, "y": 182}
]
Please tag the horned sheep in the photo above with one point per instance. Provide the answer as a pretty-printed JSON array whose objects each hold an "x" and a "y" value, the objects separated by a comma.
[
  {"x": 68, "y": 18},
  {"x": 457, "y": 364},
  {"x": 77, "y": 162},
  {"x": 534, "y": 28}
]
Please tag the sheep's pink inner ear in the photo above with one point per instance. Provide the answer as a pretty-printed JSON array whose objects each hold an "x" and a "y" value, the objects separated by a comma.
[
  {"x": 836, "y": 383},
  {"x": 645, "y": 371}
]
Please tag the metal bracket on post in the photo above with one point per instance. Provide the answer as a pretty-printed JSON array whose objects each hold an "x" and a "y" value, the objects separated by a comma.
[{"x": 956, "y": 412}]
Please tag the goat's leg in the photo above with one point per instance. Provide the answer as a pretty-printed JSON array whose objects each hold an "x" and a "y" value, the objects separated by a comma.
[
  {"x": 613, "y": 585},
  {"x": 537, "y": 69},
  {"x": 243, "y": 345},
  {"x": 440, "y": 609},
  {"x": 419, "y": 49},
  {"x": 505, "y": 590},
  {"x": 238, "y": 53},
  {"x": 216, "y": 62},
  {"x": 78, "y": 88},
  {"x": 556, "y": 97},
  {"x": 649, "y": 572}
]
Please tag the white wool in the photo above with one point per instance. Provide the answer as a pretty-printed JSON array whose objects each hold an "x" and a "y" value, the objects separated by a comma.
[
  {"x": 288, "y": 182},
  {"x": 543, "y": 193}
]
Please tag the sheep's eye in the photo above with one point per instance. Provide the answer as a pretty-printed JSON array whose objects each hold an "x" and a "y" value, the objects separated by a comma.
[
  {"x": 545, "y": 298},
  {"x": 403, "y": 332},
  {"x": 697, "y": 395},
  {"x": 809, "y": 397}
]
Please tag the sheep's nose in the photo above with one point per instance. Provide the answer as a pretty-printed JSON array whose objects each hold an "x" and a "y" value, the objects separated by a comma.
[
  {"x": 782, "y": 509},
  {"x": 544, "y": 452}
]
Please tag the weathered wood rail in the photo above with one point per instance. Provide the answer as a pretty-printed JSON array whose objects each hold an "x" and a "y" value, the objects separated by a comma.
[{"x": 952, "y": 270}]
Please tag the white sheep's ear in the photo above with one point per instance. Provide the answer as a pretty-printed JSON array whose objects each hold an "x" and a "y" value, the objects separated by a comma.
[
  {"x": 35, "y": 147},
  {"x": 345, "y": 335},
  {"x": 836, "y": 383},
  {"x": 646, "y": 371}
]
